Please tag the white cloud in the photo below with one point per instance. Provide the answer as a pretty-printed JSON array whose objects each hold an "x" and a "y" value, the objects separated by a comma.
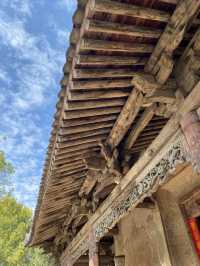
[
  {"x": 69, "y": 4},
  {"x": 4, "y": 76},
  {"x": 30, "y": 85},
  {"x": 36, "y": 77},
  {"x": 19, "y": 6}
]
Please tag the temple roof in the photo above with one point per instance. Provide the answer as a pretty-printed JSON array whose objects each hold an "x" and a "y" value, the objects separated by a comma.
[{"x": 111, "y": 43}]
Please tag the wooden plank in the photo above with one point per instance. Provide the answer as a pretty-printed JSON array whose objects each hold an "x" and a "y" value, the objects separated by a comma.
[
  {"x": 103, "y": 60},
  {"x": 122, "y": 29},
  {"x": 100, "y": 45},
  {"x": 67, "y": 167},
  {"x": 88, "y": 120},
  {"x": 78, "y": 154},
  {"x": 126, "y": 118},
  {"x": 90, "y": 104},
  {"x": 174, "y": 31},
  {"x": 76, "y": 114},
  {"x": 96, "y": 94},
  {"x": 100, "y": 84},
  {"x": 97, "y": 138},
  {"x": 85, "y": 134},
  {"x": 102, "y": 73},
  {"x": 118, "y": 8},
  {"x": 139, "y": 127},
  {"x": 84, "y": 128}
]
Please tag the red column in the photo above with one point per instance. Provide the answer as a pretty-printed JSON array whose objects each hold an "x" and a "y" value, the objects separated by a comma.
[{"x": 195, "y": 233}]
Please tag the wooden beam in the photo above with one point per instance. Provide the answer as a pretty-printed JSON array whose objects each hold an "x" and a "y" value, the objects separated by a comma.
[
  {"x": 187, "y": 68},
  {"x": 96, "y": 94},
  {"x": 84, "y": 128},
  {"x": 90, "y": 104},
  {"x": 100, "y": 84},
  {"x": 76, "y": 114},
  {"x": 78, "y": 154},
  {"x": 126, "y": 118},
  {"x": 88, "y": 120},
  {"x": 89, "y": 139},
  {"x": 103, "y": 60},
  {"x": 118, "y": 8},
  {"x": 147, "y": 83},
  {"x": 162, "y": 96},
  {"x": 174, "y": 32},
  {"x": 122, "y": 29},
  {"x": 102, "y": 73},
  {"x": 88, "y": 184},
  {"x": 139, "y": 127},
  {"x": 85, "y": 134},
  {"x": 100, "y": 45}
]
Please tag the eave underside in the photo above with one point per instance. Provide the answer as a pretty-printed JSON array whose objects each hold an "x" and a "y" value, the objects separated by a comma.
[{"x": 107, "y": 49}]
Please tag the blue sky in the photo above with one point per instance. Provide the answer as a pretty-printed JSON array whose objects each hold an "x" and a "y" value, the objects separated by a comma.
[{"x": 33, "y": 41}]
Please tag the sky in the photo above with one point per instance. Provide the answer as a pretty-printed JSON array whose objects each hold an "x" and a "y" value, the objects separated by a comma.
[{"x": 34, "y": 36}]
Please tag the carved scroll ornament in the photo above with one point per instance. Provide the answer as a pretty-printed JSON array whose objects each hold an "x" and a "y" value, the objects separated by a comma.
[{"x": 146, "y": 187}]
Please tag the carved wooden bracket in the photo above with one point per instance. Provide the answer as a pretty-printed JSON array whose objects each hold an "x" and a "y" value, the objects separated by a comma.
[{"x": 103, "y": 175}]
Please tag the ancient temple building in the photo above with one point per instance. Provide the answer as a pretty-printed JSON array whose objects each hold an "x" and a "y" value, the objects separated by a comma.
[{"x": 121, "y": 183}]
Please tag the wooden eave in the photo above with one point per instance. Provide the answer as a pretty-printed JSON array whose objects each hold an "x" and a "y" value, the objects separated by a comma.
[{"x": 111, "y": 41}]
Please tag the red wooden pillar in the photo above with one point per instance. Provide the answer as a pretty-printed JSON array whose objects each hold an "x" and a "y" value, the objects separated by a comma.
[
  {"x": 190, "y": 124},
  {"x": 195, "y": 232},
  {"x": 93, "y": 250}
]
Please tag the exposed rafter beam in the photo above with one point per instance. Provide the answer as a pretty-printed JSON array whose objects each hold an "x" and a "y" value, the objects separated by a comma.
[
  {"x": 117, "y": 8},
  {"x": 140, "y": 125},
  {"x": 123, "y": 29},
  {"x": 100, "y": 84},
  {"x": 126, "y": 118},
  {"x": 103, "y": 60},
  {"x": 99, "y": 45},
  {"x": 174, "y": 32}
]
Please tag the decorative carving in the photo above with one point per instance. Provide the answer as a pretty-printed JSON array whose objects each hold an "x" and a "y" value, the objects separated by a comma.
[
  {"x": 93, "y": 250},
  {"x": 103, "y": 175},
  {"x": 146, "y": 187}
]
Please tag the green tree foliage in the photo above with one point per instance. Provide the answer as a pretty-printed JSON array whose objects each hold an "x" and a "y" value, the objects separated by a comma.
[
  {"x": 6, "y": 170},
  {"x": 15, "y": 221}
]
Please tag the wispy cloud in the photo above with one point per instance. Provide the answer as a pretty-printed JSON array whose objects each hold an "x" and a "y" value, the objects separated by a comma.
[
  {"x": 28, "y": 86},
  {"x": 69, "y": 4},
  {"x": 19, "y": 6}
]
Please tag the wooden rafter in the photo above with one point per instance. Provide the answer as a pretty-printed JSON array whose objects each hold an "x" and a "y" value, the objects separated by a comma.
[
  {"x": 141, "y": 168},
  {"x": 140, "y": 125},
  {"x": 126, "y": 118}
]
